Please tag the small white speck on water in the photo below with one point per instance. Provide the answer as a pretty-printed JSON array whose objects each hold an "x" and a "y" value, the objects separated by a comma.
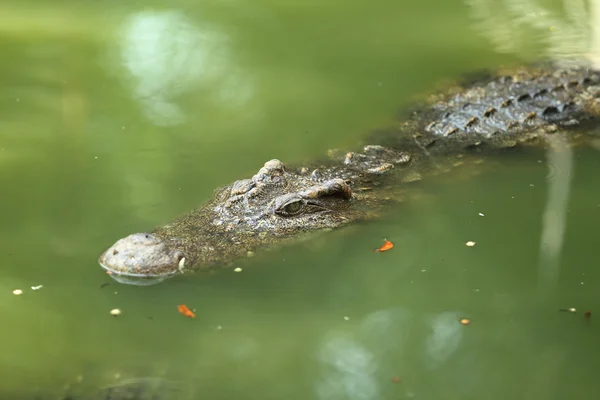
[
  {"x": 477, "y": 290},
  {"x": 115, "y": 312},
  {"x": 95, "y": 158},
  {"x": 346, "y": 318},
  {"x": 531, "y": 185},
  {"x": 380, "y": 84},
  {"x": 17, "y": 99},
  {"x": 238, "y": 269},
  {"x": 481, "y": 215},
  {"x": 219, "y": 327},
  {"x": 423, "y": 270},
  {"x": 17, "y": 292},
  {"x": 540, "y": 161},
  {"x": 582, "y": 283},
  {"x": 470, "y": 243},
  {"x": 116, "y": 292},
  {"x": 38, "y": 287}
]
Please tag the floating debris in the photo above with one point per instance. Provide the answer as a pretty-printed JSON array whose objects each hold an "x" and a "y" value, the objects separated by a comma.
[
  {"x": 238, "y": 269},
  {"x": 38, "y": 287},
  {"x": 184, "y": 310},
  {"x": 396, "y": 379},
  {"x": 470, "y": 243},
  {"x": 387, "y": 245},
  {"x": 464, "y": 321},
  {"x": 587, "y": 314},
  {"x": 17, "y": 292},
  {"x": 481, "y": 215},
  {"x": 568, "y": 309},
  {"x": 115, "y": 312},
  {"x": 346, "y": 318}
]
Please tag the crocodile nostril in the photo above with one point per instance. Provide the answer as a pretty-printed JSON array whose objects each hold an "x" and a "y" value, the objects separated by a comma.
[
  {"x": 147, "y": 236},
  {"x": 115, "y": 252}
]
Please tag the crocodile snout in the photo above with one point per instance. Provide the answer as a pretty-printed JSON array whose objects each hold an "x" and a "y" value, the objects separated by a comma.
[{"x": 141, "y": 259}]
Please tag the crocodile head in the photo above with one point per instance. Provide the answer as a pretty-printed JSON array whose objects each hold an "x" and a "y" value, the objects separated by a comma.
[
  {"x": 141, "y": 259},
  {"x": 267, "y": 209}
]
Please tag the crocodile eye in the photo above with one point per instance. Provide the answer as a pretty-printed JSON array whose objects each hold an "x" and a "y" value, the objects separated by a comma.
[{"x": 293, "y": 208}]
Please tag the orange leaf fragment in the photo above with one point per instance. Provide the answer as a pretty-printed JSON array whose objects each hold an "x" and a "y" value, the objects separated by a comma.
[
  {"x": 387, "y": 245},
  {"x": 184, "y": 310}
]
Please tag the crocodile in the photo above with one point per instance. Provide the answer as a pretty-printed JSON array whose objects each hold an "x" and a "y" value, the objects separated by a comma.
[{"x": 498, "y": 110}]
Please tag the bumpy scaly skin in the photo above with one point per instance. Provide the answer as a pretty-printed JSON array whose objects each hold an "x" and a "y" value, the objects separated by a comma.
[
  {"x": 281, "y": 202},
  {"x": 516, "y": 103}
]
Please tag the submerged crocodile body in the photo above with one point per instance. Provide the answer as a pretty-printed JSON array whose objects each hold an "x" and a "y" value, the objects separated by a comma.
[
  {"x": 282, "y": 202},
  {"x": 146, "y": 388}
]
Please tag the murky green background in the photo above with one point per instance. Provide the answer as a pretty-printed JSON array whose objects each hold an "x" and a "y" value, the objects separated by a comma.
[{"x": 117, "y": 117}]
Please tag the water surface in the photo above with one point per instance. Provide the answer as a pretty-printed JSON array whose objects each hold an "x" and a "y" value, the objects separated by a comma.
[{"x": 116, "y": 119}]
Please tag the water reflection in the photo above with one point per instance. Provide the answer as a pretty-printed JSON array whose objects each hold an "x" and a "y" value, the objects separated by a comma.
[
  {"x": 359, "y": 363},
  {"x": 560, "y": 163},
  {"x": 445, "y": 338},
  {"x": 354, "y": 362},
  {"x": 386, "y": 330},
  {"x": 514, "y": 26},
  {"x": 351, "y": 370},
  {"x": 167, "y": 55},
  {"x": 511, "y": 26}
]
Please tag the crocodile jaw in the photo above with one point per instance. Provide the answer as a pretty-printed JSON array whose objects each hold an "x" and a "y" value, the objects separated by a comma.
[{"x": 141, "y": 259}]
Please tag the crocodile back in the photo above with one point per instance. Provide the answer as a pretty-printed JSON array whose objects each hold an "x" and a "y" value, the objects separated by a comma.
[{"x": 525, "y": 100}]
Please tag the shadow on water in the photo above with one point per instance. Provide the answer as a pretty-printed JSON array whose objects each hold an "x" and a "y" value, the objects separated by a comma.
[{"x": 118, "y": 118}]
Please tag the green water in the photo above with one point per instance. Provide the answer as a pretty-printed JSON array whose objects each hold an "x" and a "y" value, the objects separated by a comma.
[{"x": 116, "y": 118}]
